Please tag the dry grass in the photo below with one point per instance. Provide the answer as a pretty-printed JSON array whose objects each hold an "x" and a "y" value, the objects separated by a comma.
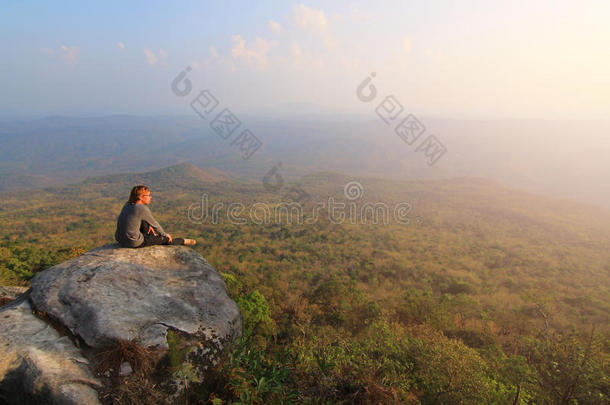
[
  {"x": 112, "y": 355},
  {"x": 138, "y": 388},
  {"x": 134, "y": 390}
]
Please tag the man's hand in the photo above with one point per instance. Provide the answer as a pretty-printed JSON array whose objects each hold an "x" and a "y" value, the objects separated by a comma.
[
  {"x": 169, "y": 237},
  {"x": 151, "y": 229}
]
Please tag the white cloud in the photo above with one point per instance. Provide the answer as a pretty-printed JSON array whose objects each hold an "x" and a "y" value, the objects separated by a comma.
[
  {"x": 215, "y": 58},
  {"x": 406, "y": 44},
  {"x": 275, "y": 26},
  {"x": 68, "y": 54},
  {"x": 433, "y": 53},
  {"x": 314, "y": 20},
  {"x": 319, "y": 63},
  {"x": 239, "y": 46},
  {"x": 152, "y": 59},
  {"x": 121, "y": 45},
  {"x": 309, "y": 18},
  {"x": 297, "y": 53},
  {"x": 360, "y": 16},
  {"x": 255, "y": 54},
  {"x": 356, "y": 16}
]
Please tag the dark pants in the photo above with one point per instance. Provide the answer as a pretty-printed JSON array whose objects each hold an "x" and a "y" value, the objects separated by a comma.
[{"x": 151, "y": 239}]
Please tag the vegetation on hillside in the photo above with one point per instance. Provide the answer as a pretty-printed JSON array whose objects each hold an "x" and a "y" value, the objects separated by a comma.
[{"x": 485, "y": 296}]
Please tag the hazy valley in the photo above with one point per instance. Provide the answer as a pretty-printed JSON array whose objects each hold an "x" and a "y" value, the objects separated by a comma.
[
  {"x": 567, "y": 159},
  {"x": 497, "y": 277}
]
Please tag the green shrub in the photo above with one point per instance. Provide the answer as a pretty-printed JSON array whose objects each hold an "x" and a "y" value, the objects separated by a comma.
[{"x": 256, "y": 315}]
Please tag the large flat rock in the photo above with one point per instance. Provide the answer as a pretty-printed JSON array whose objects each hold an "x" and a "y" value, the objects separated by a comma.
[
  {"x": 37, "y": 365},
  {"x": 114, "y": 293},
  {"x": 9, "y": 293}
]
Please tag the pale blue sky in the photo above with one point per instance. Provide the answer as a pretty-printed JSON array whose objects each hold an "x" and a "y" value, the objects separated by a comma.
[{"x": 523, "y": 59}]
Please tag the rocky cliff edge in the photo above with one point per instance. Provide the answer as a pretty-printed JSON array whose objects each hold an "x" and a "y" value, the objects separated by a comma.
[{"x": 167, "y": 303}]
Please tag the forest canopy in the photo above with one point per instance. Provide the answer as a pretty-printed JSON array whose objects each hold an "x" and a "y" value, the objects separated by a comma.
[{"x": 486, "y": 295}]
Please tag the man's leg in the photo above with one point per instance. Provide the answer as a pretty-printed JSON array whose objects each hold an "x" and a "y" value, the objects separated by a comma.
[{"x": 150, "y": 238}]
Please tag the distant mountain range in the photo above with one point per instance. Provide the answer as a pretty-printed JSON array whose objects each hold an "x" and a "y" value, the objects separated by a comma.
[
  {"x": 561, "y": 159},
  {"x": 177, "y": 172}
]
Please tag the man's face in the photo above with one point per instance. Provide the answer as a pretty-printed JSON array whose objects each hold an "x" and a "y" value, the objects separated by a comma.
[{"x": 145, "y": 198}]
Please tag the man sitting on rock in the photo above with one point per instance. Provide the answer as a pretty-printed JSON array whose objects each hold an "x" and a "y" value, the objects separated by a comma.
[{"x": 136, "y": 227}]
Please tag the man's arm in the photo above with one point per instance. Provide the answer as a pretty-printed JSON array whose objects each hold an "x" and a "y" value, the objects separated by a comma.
[{"x": 147, "y": 216}]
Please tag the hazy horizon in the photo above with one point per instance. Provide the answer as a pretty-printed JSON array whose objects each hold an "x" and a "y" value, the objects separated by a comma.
[
  {"x": 518, "y": 92},
  {"x": 561, "y": 159}
]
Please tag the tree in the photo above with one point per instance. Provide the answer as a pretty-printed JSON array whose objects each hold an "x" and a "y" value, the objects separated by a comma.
[{"x": 571, "y": 368}]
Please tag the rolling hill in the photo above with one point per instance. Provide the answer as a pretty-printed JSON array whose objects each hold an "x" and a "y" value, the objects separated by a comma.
[
  {"x": 512, "y": 281},
  {"x": 565, "y": 159}
]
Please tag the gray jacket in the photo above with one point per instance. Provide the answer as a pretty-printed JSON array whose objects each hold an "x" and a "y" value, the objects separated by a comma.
[{"x": 128, "y": 224}]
